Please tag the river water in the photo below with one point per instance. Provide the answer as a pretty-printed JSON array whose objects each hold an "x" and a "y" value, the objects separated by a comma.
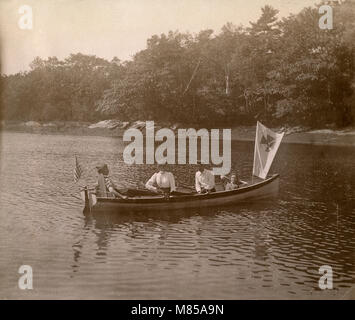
[{"x": 272, "y": 249}]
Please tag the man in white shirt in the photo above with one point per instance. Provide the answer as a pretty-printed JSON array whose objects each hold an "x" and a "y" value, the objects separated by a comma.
[
  {"x": 204, "y": 180},
  {"x": 161, "y": 182}
]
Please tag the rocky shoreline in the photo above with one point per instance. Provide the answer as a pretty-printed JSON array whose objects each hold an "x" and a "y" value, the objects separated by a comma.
[{"x": 116, "y": 128}]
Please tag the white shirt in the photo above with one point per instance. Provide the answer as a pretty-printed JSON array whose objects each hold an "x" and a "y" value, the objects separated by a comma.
[
  {"x": 204, "y": 180},
  {"x": 162, "y": 179}
]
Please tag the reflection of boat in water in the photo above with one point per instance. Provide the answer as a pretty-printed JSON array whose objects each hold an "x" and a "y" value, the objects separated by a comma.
[{"x": 255, "y": 189}]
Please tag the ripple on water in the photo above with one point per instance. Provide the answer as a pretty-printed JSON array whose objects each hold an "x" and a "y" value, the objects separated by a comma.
[{"x": 258, "y": 250}]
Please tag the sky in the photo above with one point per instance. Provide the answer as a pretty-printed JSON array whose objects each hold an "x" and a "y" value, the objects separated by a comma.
[{"x": 108, "y": 28}]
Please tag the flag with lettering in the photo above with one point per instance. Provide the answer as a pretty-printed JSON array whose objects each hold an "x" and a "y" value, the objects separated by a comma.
[
  {"x": 77, "y": 170},
  {"x": 267, "y": 143}
]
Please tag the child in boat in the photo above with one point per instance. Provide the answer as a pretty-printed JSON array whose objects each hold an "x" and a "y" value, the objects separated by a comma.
[
  {"x": 161, "y": 181},
  {"x": 234, "y": 182},
  {"x": 105, "y": 184}
]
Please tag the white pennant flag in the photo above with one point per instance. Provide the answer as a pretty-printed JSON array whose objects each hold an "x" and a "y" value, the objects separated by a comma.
[{"x": 266, "y": 144}]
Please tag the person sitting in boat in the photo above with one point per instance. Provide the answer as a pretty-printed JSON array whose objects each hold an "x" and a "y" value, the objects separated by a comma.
[
  {"x": 161, "y": 181},
  {"x": 233, "y": 182},
  {"x": 204, "y": 179},
  {"x": 105, "y": 184}
]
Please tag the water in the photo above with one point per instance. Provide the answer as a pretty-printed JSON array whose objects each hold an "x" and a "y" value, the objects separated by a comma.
[{"x": 259, "y": 250}]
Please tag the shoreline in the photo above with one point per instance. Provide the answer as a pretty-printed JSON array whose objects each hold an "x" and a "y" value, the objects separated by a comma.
[{"x": 345, "y": 137}]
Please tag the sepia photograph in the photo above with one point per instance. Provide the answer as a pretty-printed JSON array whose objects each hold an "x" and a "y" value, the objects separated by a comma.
[{"x": 177, "y": 150}]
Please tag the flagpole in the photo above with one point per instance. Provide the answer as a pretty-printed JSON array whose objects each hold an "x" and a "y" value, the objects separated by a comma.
[
  {"x": 77, "y": 175},
  {"x": 256, "y": 137}
]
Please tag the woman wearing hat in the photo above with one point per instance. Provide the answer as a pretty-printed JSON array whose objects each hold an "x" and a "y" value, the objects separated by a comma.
[{"x": 105, "y": 184}]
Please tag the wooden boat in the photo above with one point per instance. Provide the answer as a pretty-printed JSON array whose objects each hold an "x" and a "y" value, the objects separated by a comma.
[
  {"x": 256, "y": 189},
  {"x": 259, "y": 187}
]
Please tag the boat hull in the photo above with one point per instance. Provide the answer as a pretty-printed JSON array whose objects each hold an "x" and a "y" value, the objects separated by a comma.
[{"x": 257, "y": 191}]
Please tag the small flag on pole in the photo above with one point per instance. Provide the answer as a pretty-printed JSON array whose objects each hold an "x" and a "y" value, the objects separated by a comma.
[
  {"x": 267, "y": 143},
  {"x": 77, "y": 170}
]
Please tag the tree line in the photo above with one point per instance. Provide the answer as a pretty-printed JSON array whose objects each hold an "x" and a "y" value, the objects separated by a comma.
[{"x": 280, "y": 71}]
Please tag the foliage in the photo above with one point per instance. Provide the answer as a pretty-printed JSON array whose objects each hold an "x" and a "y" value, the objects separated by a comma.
[{"x": 285, "y": 71}]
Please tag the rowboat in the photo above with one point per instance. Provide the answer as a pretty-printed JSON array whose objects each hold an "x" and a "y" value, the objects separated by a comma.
[
  {"x": 260, "y": 186},
  {"x": 255, "y": 189}
]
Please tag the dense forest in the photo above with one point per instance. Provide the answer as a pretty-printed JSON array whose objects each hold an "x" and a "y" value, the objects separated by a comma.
[{"x": 280, "y": 71}]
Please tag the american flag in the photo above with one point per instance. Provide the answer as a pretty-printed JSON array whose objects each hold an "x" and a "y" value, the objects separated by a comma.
[{"x": 77, "y": 170}]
